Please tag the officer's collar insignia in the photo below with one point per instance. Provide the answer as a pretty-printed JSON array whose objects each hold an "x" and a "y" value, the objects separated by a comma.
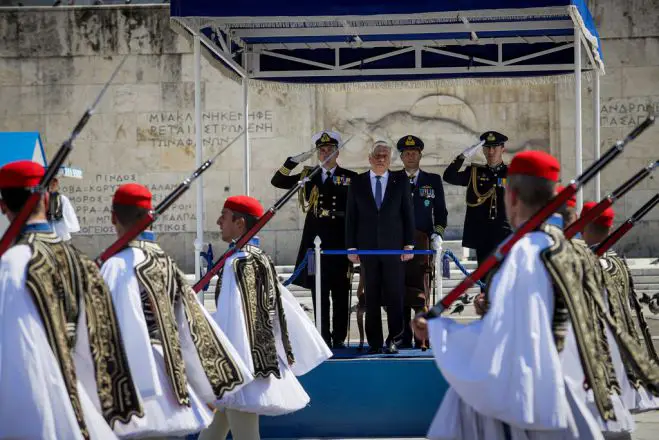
[
  {"x": 409, "y": 142},
  {"x": 491, "y": 137},
  {"x": 325, "y": 138}
]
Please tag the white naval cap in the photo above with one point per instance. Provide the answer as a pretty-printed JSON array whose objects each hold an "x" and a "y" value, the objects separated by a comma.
[{"x": 326, "y": 137}]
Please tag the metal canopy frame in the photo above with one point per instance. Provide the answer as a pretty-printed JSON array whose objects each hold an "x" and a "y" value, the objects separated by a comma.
[
  {"x": 317, "y": 50},
  {"x": 246, "y": 44}
]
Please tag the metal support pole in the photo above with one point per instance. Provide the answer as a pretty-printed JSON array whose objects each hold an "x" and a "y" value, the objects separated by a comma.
[
  {"x": 317, "y": 241},
  {"x": 596, "y": 129},
  {"x": 246, "y": 163},
  {"x": 577, "y": 122},
  {"x": 199, "y": 242},
  {"x": 438, "y": 268}
]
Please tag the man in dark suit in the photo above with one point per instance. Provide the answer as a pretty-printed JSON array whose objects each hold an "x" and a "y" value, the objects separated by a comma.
[
  {"x": 430, "y": 217},
  {"x": 380, "y": 215},
  {"x": 324, "y": 199}
]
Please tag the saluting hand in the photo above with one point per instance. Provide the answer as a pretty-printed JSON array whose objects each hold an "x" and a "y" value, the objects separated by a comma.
[
  {"x": 302, "y": 157},
  {"x": 472, "y": 150}
]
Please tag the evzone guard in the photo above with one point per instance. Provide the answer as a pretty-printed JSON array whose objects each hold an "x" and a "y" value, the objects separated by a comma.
[
  {"x": 520, "y": 371},
  {"x": 270, "y": 331},
  {"x": 323, "y": 198},
  {"x": 620, "y": 298},
  {"x": 63, "y": 368},
  {"x": 181, "y": 360},
  {"x": 61, "y": 214}
]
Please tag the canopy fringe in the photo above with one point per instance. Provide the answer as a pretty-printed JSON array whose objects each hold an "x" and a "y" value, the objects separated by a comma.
[
  {"x": 592, "y": 39},
  {"x": 419, "y": 84},
  {"x": 242, "y": 23}
]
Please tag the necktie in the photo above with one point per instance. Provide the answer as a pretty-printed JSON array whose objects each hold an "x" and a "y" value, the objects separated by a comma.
[
  {"x": 328, "y": 177},
  {"x": 412, "y": 177},
  {"x": 378, "y": 191}
]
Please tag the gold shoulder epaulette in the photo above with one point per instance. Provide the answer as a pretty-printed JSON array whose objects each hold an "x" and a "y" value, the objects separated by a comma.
[{"x": 285, "y": 171}]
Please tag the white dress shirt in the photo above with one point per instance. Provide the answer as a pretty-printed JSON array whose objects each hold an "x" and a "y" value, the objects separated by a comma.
[
  {"x": 383, "y": 182},
  {"x": 416, "y": 175},
  {"x": 324, "y": 173}
]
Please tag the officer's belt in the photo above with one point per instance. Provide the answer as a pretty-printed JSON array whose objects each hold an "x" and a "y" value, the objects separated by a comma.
[{"x": 326, "y": 213}]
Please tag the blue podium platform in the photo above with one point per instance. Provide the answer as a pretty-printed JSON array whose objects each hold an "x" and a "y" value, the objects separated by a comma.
[{"x": 355, "y": 395}]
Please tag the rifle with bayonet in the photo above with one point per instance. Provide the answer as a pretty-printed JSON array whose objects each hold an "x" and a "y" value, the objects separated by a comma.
[
  {"x": 153, "y": 215},
  {"x": 262, "y": 221},
  {"x": 616, "y": 235}
]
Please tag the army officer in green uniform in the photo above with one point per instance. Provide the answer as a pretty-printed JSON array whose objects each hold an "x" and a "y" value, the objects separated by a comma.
[{"x": 485, "y": 221}]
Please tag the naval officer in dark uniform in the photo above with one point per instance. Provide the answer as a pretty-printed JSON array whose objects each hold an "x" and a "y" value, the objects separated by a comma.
[
  {"x": 430, "y": 218},
  {"x": 485, "y": 224},
  {"x": 323, "y": 198}
]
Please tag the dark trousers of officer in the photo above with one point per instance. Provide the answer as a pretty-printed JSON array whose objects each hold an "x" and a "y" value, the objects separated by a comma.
[
  {"x": 417, "y": 287},
  {"x": 384, "y": 285},
  {"x": 334, "y": 283}
]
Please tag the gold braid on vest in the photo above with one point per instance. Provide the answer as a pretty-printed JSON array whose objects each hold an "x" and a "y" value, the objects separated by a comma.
[
  {"x": 262, "y": 305},
  {"x": 578, "y": 291},
  {"x": 623, "y": 305},
  {"x": 168, "y": 289},
  {"x": 61, "y": 281}
]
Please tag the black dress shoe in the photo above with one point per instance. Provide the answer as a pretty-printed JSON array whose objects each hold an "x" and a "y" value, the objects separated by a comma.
[
  {"x": 391, "y": 349},
  {"x": 339, "y": 345},
  {"x": 374, "y": 350}
]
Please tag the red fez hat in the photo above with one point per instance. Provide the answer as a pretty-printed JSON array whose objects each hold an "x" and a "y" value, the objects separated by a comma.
[
  {"x": 132, "y": 194},
  {"x": 535, "y": 163},
  {"x": 245, "y": 205},
  {"x": 572, "y": 201},
  {"x": 21, "y": 174},
  {"x": 604, "y": 219}
]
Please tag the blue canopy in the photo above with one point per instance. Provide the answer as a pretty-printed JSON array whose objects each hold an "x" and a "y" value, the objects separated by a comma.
[
  {"x": 370, "y": 40},
  {"x": 21, "y": 146},
  {"x": 27, "y": 145}
]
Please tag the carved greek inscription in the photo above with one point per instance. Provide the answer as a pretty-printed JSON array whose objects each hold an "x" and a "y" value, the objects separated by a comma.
[{"x": 92, "y": 200}]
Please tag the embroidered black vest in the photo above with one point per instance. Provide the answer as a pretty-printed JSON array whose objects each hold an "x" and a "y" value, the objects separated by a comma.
[
  {"x": 59, "y": 278},
  {"x": 257, "y": 281},
  {"x": 164, "y": 288}
]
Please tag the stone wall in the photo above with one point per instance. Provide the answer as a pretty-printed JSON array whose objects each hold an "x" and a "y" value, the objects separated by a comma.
[
  {"x": 630, "y": 44},
  {"x": 54, "y": 61}
]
